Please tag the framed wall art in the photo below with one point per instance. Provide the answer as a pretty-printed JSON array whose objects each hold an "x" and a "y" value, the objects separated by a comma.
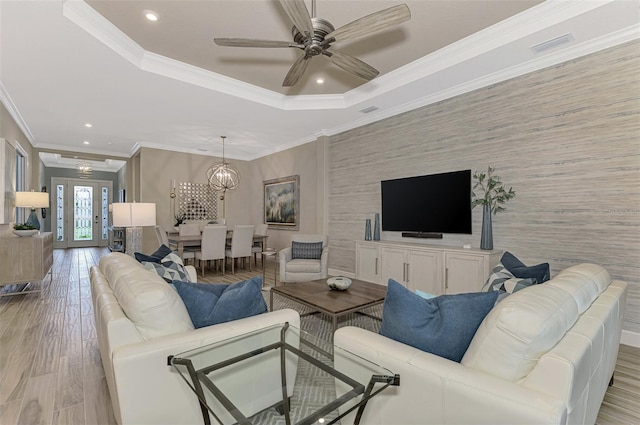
[{"x": 282, "y": 203}]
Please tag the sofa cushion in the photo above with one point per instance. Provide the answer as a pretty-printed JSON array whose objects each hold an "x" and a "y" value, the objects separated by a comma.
[
  {"x": 540, "y": 272},
  {"x": 148, "y": 301},
  {"x": 156, "y": 257},
  {"x": 520, "y": 329},
  {"x": 169, "y": 268},
  {"x": 443, "y": 325},
  {"x": 503, "y": 280},
  {"x": 306, "y": 250},
  {"x": 213, "y": 303}
]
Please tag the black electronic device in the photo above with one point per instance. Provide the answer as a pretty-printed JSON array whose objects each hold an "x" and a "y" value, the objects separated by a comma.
[{"x": 427, "y": 206}]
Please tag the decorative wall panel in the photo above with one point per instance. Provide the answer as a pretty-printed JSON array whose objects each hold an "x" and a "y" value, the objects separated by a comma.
[
  {"x": 566, "y": 138},
  {"x": 196, "y": 201}
]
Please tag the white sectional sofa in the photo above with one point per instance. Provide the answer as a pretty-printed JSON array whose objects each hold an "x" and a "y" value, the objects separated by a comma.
[
  {"x": 141, "y": 320},
  {"x": 543, "y": 355}
]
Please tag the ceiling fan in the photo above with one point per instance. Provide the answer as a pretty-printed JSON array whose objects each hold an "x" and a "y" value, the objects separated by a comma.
[{"x": 315, "y": 36}]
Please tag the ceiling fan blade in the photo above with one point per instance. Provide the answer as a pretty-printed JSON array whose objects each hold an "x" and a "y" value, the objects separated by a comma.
[
  {"x": 250, "y": 42},
  {"x": 369, "y": 24},
  {"x": 295, "y": 72},
  {"x": 299, "y": 15},
  {"x": 352, "y": 65}
]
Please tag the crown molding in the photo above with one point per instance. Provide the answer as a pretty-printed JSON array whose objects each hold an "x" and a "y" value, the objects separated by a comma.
[
  {"x": 51, "y": 147},
  {"x": 551, "y": 59},
  {"x": 6, "y": 100},
  {"x": 514, "y": 28}
]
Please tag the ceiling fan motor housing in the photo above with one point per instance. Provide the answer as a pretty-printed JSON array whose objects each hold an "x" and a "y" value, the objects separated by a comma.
[{"x": 313, "y": 46}]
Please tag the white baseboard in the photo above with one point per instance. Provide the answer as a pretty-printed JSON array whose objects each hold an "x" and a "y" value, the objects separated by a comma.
[{"x": 630, "y": 338}]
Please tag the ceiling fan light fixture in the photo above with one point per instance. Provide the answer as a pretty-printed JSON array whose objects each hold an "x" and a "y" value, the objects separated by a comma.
[{"x": 315, "y": 36}]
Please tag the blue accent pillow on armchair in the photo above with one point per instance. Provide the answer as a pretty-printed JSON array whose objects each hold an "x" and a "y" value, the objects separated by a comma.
[
  {"x": 213, "y": 303},
  {"x": 443, "y": 325},
  {"x": 306, "y": 250},
  {"x": 540, "y": 272}
]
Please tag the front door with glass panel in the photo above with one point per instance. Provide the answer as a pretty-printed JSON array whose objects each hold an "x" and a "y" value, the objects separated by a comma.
[{"x": 81, "y": 212}]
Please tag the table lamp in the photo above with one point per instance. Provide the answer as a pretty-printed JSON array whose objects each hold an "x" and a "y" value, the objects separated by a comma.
[
  {"x": 133, "y": 216},
  {"x": 32, "y": 200}
]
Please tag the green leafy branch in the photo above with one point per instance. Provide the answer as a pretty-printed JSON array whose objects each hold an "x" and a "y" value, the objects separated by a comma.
[{"x": 492, "y": 191}]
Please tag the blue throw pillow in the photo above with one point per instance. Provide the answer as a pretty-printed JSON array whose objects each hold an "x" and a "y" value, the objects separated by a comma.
[
  {"x": 306, "y": 250},
  {"x": 213, "y": 303},
  {"x": 443, "y": 325},
  {"x": 539, "y": 272},
  {"x": 156, "y": 257}
]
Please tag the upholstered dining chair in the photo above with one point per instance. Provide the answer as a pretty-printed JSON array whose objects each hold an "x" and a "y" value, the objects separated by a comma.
[
  {"x": 189, "y": 229},
  {"x": 258, "y": 246},
  {"x": 161, "y": 234},
  {"x": 306, "y": 259},
  {"x": 212, "y": 247},
  {"x": 241, "y": 242}
]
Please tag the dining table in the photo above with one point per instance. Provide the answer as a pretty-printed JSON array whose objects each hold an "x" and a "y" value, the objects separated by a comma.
[{"x": 196, "y": 240}]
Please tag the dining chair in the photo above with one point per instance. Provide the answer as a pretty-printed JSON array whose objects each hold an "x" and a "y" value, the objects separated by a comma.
[
  {"x": 241, "y": 242},
  {"x": 258, "y": 246},
  {"x": 161, "y": 234},
  {"x": 212, "y": 247},
  {"x": 189, "y": 229}
]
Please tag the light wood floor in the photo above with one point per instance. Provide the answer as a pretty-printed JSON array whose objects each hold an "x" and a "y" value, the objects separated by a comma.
[{"x": 50, "y": 369}]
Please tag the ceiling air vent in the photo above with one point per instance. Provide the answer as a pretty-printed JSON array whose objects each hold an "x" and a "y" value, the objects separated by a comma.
[
  {"x": 369, "y": 109},
  {"x": 554, "y": 42}
]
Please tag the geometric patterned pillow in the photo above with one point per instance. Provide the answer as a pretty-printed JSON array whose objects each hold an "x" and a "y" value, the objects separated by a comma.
[
  {"x": 503, "y": 280},
  {"x": 306, "y": 250},
  {"x": 170, "y": 268}
]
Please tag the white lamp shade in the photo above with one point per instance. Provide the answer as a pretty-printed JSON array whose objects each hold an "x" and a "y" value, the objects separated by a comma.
[
  {"x": 134, "y": 214},
  {"x": 32, "y": 199}
]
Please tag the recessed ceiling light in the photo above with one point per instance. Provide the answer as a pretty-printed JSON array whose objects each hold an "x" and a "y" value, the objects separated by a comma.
[
  {"x": 86, "y": 142},
  {"x": 151, "y": 15},
  {"x": 320, "y": 81},
  {"x": 88, "y": 125}
]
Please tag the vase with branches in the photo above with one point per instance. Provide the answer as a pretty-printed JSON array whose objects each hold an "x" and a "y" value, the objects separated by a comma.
[{"x": 490, "y": 192}]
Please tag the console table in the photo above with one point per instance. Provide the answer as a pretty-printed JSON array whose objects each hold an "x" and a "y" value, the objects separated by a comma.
[
  {"x": 435, "y": 269},
  {"x": 26, "y": 259}
]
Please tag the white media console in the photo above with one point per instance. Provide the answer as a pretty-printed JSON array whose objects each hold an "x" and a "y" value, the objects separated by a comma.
[{"x": 431, "y": 268}]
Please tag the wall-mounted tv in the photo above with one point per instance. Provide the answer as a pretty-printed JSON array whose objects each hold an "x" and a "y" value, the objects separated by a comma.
[{"x": 431, "y": 204}]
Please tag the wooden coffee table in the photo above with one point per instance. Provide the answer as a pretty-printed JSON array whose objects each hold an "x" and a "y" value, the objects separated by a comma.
[{"x": 317, "y": 295}]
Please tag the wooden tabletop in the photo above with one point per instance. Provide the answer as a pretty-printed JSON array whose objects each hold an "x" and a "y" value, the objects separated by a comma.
[{"x": 317, "y": 293}]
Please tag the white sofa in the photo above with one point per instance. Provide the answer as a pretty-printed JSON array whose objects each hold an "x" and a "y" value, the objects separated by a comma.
[
  {"x": 543, "y": 355},
  {"x": 141, "y": 320}
]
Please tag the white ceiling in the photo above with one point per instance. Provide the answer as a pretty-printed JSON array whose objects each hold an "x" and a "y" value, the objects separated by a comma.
[{"x": 168, "y": 86}]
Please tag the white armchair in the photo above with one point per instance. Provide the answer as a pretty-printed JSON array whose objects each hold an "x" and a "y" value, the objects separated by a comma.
[{"x": 303, "y": 269}]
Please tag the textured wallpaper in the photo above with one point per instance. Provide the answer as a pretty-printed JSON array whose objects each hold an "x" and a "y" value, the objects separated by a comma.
[{"x": 566, "y": 138}]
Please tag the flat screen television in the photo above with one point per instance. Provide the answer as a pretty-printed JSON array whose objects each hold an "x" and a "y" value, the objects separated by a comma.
[{"x": 431, "y": 204}]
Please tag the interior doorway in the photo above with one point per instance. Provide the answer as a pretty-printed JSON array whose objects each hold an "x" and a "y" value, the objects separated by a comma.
[{"x": 80, "y": 212}]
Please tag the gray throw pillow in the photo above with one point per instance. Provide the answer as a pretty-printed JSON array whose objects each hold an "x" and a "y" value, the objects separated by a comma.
[
  {"x": 306, "y": 250},
  {"x": 503, "y": 280}
]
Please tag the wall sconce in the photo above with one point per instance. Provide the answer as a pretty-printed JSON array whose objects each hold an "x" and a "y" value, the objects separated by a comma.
[{"x": 172, "y": 194}]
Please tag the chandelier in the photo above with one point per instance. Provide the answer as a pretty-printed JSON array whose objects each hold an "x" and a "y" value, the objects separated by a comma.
[
  {"x": 85, "y": 169},
  {"x": 223, "y": 176}
]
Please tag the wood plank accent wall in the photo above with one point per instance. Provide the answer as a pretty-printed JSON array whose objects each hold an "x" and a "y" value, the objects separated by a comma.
[{"x": 567, "y": 138}]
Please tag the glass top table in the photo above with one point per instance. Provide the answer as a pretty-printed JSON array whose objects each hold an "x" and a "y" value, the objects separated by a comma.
[{"x": 280, "y": 375}]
